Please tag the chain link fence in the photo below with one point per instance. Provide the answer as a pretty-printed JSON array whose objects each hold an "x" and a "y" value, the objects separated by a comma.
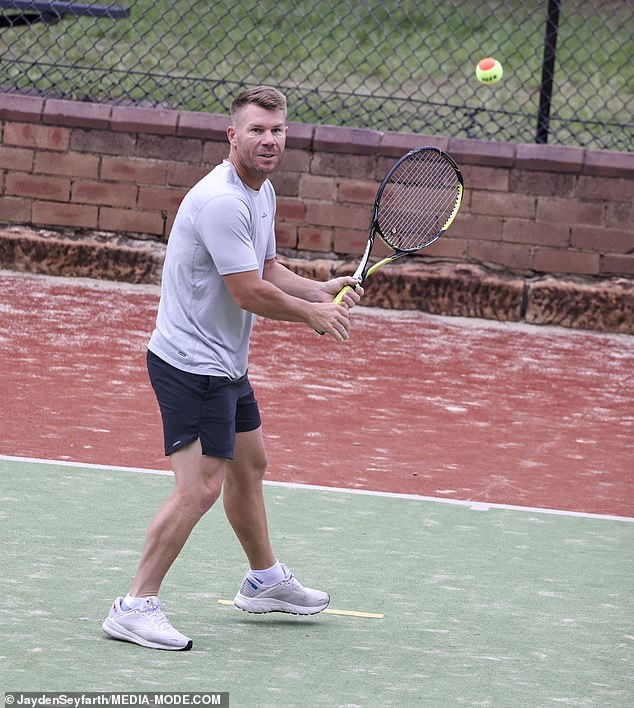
[{"x": 403, "y": 66}]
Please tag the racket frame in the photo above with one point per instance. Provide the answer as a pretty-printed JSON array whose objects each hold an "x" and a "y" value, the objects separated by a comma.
[{"x": 363, "y": 271}]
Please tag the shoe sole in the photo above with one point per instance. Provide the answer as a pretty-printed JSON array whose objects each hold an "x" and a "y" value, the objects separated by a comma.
[
  {"x": 116, "y": 631},
  {"x": 261, "y": 607}
]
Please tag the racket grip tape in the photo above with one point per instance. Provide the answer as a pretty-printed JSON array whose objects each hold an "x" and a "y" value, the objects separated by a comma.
[{"x": 340, "y": 295}]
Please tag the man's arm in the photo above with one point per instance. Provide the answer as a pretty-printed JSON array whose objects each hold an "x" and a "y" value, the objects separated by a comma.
[
  {"x": 307, "y": 289},
  {"x": 265, "y": 298}
]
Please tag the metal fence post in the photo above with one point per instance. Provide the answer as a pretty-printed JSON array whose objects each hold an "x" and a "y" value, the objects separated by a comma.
[{"x": 548, "y": 71}]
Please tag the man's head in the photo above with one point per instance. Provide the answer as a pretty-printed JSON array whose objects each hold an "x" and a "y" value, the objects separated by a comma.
[
  {"x": 257, "y": 134},
  {"x": 265, "y": 97}
]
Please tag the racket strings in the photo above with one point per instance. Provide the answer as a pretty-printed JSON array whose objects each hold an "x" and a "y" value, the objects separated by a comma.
[{"x": 418, "y": 201}]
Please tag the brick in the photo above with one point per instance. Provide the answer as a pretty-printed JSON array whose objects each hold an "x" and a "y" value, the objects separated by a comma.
[
  {"x": 169, "y": 223},
  {"x": 38, "y": 186},
  {"x": 131, "y": 221},
  {"x": 565, "y": 261},
  {"x": 468, "y": 226},
  {"x": 602, "y": 239},
  {"x": 395, "y": 145},
  {"x": 286, "y": 235},
  {"x": 76, "y": 113},
  {"x": 513, "y": 256},
  {"x": 549, "y": 158},
  {"x": 357, "y": 141},
  {"x": 57, "y": 214},
  {"x": 329, "y": 164},
  {"x": 18, "y": 159},
  {"x": 300, "y": 136},
  {"x": 132, "y": 169},
  {"x": 482, "y": 152},
  {"x": 542, "y": 183},
  {"x": 357, "y": 191},
  {"x": 604, "y": 163},
  {"x": 14, "y": 209},
  {"x": 214, "y": 153},
  {"x": 313, "y": 187},
  {"x": 382, "y": 166},
  {"x": 502, "y": 204},
  {"x": 286, "y": 184},
  {"x": 169, "y": 148},
  {"x": 495, "y": 179},
  {"x": 531, "y": 232},
  {"x": 295, "y": 161},
  {"x": 617, "y": 264},
  {"x": 611, "y": 190},
  {"x": 104, "y": 193},
  {"x": 289, "y": 210},
  {"x": 36, "y": 136},
  {"x": 351, "y": 242},
  {"x": 102, "y": 142},
  {"x": 72, "y": 164},
  {"x": 183, "y": 175},
  {"x": 207, "y": 126},
  {"x": 569, "y": 211},
  {"x": 315, "y": 239},
  {"x": 448, "y": 246},
  {"x": 14, "y": 106},
  {"x": 324, "y": 214},
  {"x": 135, "y": 119},
  {"x": 620, "y": 215},
  {"x": 160, "y": 199}
]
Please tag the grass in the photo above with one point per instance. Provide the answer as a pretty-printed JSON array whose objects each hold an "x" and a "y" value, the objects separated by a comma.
[{"x": 392, "y": 66}]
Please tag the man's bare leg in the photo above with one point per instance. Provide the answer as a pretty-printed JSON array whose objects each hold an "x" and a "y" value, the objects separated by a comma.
[
  {"x": 244, "y": 501},
  {"x": 198, "y": 481}
]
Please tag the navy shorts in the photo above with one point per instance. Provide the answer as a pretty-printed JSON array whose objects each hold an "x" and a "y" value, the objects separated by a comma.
[{"x": 211, "y": 408}]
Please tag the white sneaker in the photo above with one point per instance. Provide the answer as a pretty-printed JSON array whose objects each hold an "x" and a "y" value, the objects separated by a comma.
[
  {"x": 289, "y": 595},
  {"x": 146, "y": 625}
]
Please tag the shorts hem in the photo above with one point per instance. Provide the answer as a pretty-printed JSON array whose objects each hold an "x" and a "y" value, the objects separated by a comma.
[{"x": 180, "y": 444}]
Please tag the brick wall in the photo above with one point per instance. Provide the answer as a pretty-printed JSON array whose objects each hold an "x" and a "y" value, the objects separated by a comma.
[
  {"x": 528, "y": 208},
  {"x": 545, "y": 234}
]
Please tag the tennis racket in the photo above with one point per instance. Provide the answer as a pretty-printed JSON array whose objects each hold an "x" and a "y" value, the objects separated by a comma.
[{"x": 415, "y": 204}]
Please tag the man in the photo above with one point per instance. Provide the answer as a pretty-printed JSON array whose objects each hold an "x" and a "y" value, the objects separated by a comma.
[{"x": 220, "y": 272}]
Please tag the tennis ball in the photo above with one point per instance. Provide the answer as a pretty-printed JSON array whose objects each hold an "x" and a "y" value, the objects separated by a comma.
[{"x": 489, "y": 70}]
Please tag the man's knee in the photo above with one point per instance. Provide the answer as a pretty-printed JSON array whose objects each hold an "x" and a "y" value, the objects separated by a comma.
[{"x": 198, "y": 477}]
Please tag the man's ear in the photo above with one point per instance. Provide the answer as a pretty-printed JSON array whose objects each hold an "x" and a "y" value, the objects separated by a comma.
[{"x": 231, "y": 134}]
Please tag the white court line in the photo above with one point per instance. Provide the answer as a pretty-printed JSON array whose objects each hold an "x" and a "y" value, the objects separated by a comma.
[{"x": 474, "y": 505}]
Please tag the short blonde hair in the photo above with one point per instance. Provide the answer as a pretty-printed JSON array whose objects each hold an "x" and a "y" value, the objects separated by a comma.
[{"x": 264, "y": 96}]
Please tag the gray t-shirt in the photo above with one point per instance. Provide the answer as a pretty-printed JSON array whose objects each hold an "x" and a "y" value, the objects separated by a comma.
[{"x": 221, "y": 227}]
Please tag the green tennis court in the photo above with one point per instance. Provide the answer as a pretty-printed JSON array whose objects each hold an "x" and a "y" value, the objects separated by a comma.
[{"x": 483, "y": 605}]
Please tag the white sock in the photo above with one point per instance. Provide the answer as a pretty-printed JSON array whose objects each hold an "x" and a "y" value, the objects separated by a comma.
[
  {"x": 131, "y": 603},
  {"x": 269, "y": 576}
]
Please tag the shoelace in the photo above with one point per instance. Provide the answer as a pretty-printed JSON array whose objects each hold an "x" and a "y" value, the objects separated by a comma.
[
  {"x": 293, "y": 581},
  {"x": 155, "y": 615}
]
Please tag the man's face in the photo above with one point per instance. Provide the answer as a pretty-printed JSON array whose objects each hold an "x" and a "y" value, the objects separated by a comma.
[{"x": 257, "y": 140}]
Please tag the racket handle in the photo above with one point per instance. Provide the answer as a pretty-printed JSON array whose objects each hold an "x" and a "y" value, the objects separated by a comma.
[
  {"x": 340, "y": 295},
  {"x": 338, "y": 300}
]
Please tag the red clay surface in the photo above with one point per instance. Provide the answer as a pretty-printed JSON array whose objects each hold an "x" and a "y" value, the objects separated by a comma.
[{"x": 453, "y": 408}]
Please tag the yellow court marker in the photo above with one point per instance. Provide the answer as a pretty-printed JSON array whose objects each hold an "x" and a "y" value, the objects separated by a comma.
[{"x": 348, "y": 613}]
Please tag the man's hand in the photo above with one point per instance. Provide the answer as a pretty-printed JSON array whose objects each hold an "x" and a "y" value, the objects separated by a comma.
[
  {"x": 330, "y": 318},
  {"x": 330, "y": 288}
]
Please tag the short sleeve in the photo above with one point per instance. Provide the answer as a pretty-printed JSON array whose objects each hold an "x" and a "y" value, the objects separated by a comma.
[{"x": 224, "y": 225}]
